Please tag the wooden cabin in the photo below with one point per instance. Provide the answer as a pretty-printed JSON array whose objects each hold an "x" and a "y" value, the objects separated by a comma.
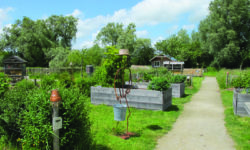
[{"x": 157, "y": 61}]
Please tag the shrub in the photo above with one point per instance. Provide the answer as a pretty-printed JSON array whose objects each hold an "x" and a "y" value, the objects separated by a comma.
[
  {"x": 27, "y": 118},
  {"x": 4, "y": 83},
  {"x": 178, "y": 79},
  {"x": 159, "y": 84},
  {"x": 48, "y": 82},
  {"x": 65, "y": 79},
  {"x": 25, "y": 84},
  {"x": 242, "y": 81},
  {"x": 84, "y": 84},
  {"x": 147, "y": 77},
  {"x": 211, "y": 69}
]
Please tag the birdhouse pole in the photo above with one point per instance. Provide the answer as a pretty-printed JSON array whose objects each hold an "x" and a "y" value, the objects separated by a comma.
[{"x": 55, "y": 100}]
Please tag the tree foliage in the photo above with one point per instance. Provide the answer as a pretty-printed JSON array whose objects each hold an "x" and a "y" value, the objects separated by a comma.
[
  {"x": 113, "y": 34},
  {"x": 143, "y": 52},
  {"x": 35, "y": 39},
  {"x": 183, "y": 48},
  {"x": 225, "y": 32}
]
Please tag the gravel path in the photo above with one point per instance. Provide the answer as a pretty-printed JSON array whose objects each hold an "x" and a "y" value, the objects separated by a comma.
[{"x": 201, "y": 125}]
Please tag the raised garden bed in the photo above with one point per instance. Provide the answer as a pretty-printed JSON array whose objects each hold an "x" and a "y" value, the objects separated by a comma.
[
  {"x": 239, "y": 102},
  {"x": 178, "y": 89},
  {"x": 144, "y": 99}
]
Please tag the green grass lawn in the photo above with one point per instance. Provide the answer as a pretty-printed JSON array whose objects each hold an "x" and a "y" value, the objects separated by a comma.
[
  {"x": 210, "y": 74},
  {"x": 237, "y": 127},
  {"x": 147, "y": 124}
]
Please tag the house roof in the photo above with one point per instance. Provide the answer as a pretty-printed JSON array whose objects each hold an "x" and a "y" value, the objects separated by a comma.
[
  {"x": 162, "y": 57},
  {"x": 14, "y": 60}
]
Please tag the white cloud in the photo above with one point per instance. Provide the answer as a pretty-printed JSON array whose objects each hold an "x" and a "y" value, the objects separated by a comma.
[
  {"x": 76, "y": 13},
  {"x": 4, "y": 16},
  {"x": 146, "y": 12},
  {"x": 188, "y": 27},
  {"x": 142, "y": 33}
]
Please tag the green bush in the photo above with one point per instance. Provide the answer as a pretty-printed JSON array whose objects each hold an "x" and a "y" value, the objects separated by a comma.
[
  {"x": 242, "y": 81},
  {"x": 159, "y": 84},
  {"x": 48, "y": 82},
  {"x": 65, "y": 79},
  {"x": 221, "y": 78},
  {"x": 4, "y": 83},
  {"x": 25, "y": 84},
  {"x": 211, "y": 69},
  {"x": 147, "y": 76},
  {"x": 27, "y": 118},
  {"x": 178, "y": 79},
  {"x": 84, "y": 84},
  {"x": 105, "y": 74}
]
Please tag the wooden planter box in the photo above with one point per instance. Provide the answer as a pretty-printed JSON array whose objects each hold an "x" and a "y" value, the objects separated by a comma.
[
  {"x": 145, "y": 99},
  {"x": 141, "y": 85},
  {"x": 178, "y": 89},
  {"x": 239, "y": 103}
]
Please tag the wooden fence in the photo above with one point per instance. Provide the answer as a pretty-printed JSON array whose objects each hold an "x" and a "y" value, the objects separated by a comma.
[{"x": 44, "y": 71}]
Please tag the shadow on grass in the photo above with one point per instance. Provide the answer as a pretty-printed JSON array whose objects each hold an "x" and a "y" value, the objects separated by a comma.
[
  {"x": 185, "y": 95},
  {"x": 102, "y": 147},
  {"x": 172, "y": 108},
  {"x": 154, "y": 127}
]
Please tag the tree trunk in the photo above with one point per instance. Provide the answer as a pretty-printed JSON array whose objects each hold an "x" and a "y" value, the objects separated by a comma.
[{"x": 241, "y": 64}]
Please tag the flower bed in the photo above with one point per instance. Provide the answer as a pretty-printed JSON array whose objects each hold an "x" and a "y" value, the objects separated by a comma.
[{"x": 145, "y": 99}]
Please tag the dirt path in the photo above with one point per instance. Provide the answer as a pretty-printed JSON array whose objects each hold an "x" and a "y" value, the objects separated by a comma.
[{"x": 201, "y": 125}]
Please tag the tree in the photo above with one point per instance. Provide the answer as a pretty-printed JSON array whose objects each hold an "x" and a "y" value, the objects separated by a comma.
[
  {"x": 127, "y": 39},
  {"x": 175, "y": 46},
  {"x": 143, "y": 52},
  {"x": 225, "y": 32},
  {"x": 184, "y": 48},
  {"x": 110, "y": 33},
  {"x": 113, "y": 34},
  {"x": 34, "y": 40},
  {"x": 59, "y": 57}
]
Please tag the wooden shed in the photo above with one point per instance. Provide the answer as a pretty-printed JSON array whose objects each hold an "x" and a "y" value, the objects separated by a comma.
[
  {"x": 15, "y": 68},
  {"x": 157, "y": 61}
]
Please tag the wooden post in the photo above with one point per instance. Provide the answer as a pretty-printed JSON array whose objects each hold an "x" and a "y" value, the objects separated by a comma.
[
  {"x": 55, "y": 99},
  {"x": 55, "y": 108},
  {"x": 227, "y": 79}
]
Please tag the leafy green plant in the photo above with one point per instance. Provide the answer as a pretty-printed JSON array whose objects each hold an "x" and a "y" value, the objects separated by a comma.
[
  {"x": 242, "y": 81},
  {"x": 106, "y": 73},
  {"x": 48, "y": 82},
  {"x": 65, "y": 79},
  {"x": 159, "y": 84},
  {"x": 84, "y": 84},
  {"x": 4, "y": 83},
  {"x": 25, "y": 84},
  {"x": 147, "y": 76},
  {"x": 178, "y": 79},
  {"x": 26, "y": 118}
]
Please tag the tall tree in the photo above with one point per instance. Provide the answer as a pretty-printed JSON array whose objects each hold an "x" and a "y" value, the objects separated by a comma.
[
  {"x": 143, "y": 52},
  {"x": 110, "y": 33},
  {"x": 33, "y": 40},
  {"x": 127, "y": 38},
  {"x": 113, "y": 34},
  {"x": 225, "y": 33}
]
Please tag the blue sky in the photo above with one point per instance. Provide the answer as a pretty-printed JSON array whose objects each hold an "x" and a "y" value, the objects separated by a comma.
[{"x": 154, "y": 19}]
